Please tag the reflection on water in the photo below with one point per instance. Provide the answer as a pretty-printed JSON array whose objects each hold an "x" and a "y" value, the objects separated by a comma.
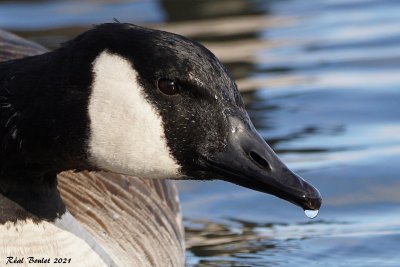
[
  {"x": 321, "y": 82},
  {"x": 241, "y": 243},
  {"x": 178, "y": 10}
]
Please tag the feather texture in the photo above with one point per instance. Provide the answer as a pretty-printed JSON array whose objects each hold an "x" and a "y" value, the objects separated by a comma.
[{"x": 113, "y": 220}]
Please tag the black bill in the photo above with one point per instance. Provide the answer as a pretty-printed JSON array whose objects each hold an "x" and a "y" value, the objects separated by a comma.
[{"x": 247, "y": 160}]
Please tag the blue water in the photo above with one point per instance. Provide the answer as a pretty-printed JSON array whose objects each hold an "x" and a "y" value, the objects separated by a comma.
[{"x": 321, "y": 81}]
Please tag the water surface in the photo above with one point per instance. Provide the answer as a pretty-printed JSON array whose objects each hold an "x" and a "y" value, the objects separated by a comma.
[{"x": 321, "y": 82}]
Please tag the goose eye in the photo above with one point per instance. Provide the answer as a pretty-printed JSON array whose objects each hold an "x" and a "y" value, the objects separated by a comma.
[{"x": 167, "y": 86}]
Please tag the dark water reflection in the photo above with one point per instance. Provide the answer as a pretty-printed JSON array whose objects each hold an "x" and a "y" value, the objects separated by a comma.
[
  {"x": 321, "y": 81},
  {"x": 178, "y": 10}
]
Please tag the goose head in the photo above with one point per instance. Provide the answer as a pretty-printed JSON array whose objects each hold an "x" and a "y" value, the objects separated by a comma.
[{"x": 141, "y": 102}]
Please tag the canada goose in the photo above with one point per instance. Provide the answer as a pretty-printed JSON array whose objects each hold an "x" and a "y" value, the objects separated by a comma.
[{"x": 122, "y": 99}]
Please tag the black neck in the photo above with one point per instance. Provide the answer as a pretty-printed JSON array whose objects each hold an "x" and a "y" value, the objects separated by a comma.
[
  {"x": 43, "y": 111},
  {"x": 43, "y": 130},
  {"x": 29, "y": 196}
]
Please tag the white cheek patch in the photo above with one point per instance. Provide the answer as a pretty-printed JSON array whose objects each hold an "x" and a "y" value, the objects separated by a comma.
[{"x": 126, "y": 132}]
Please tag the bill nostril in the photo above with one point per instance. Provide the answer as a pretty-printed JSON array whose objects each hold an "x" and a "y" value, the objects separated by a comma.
[{"x": 259, "y": 160}]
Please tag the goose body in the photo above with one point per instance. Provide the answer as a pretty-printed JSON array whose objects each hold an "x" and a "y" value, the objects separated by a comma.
[
  {"x": 81, "y": 123},
  {"x": 112, "y": 219}
]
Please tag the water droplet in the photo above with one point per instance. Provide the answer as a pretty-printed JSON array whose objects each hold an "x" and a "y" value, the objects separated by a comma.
[
  {"x": 234, "y": 129},
  {"x": 311, "y": 213},
  {"x": 216, "y": 97}
]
